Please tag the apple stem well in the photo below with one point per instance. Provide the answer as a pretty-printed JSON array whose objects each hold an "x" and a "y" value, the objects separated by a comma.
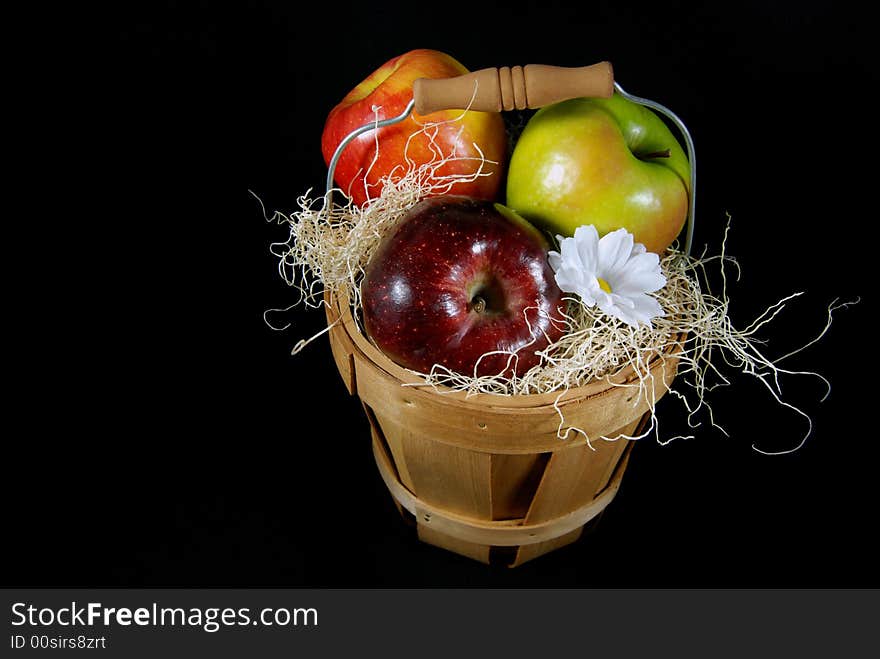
[
  {"x": 665, "y": 153},
  {"x": 478, "y": 304},
  {"x": 487, "y": 297}
]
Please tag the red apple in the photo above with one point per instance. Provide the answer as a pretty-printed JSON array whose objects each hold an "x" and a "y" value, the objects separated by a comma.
[
  {"x": 457, "y": 278},
  {"x": 390, "y": 89}
]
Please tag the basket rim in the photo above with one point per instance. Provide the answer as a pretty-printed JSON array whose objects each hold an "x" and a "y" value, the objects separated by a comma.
[{"x": 339, "y": 309}]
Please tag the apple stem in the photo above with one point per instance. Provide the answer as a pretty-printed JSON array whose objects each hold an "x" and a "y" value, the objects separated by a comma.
[
  {"x": 654, "y": 154},
  {"x": 478, "y": 304}
]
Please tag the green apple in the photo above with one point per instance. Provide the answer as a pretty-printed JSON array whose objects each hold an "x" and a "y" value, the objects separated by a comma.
[{"x": 607, "y": 162}]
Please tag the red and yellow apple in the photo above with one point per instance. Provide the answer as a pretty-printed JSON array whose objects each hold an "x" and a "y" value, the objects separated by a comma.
[
  {"x": 459, "y": 278},
  {"x": 607, "y": 162},
  {"x": 361, "y": 168}
]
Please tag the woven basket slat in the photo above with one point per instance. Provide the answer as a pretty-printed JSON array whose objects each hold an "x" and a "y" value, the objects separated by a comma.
[{"x": 486, "y": 472}]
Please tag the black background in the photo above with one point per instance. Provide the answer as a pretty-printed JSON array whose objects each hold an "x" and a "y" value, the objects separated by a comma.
[{"x": 167, "y": 437}]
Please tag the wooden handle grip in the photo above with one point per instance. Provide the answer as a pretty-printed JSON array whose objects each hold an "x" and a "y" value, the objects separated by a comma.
[{"x": 508, "y": 88}]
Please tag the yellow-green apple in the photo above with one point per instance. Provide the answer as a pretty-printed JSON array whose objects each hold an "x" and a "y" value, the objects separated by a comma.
[
  {"x": 607, "y": 162},
  {"x": 458, "y": 278},
  {"x": 361, "y": 168}
]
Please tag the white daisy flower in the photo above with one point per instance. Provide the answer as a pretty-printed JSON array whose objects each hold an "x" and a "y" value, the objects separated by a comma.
[{"x": 614, "y": 273}]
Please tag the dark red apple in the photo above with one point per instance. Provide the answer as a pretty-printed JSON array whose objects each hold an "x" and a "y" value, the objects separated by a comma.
[{"x": 458, "y": 278}]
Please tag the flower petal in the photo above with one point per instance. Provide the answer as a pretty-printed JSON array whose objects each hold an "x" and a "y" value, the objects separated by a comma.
[
  {"x": 625, "y": 265},
  {"x": 622, "y": 301},
  {"x": 586, "y": 232},
  {"x": 646, "y": 308},
  {"x": 616, "y": 311},
  {"x": 569, "y": 253},
  {"x": 642, "y": 274},
  {"x": 644, "y": 261},
  {"x": 614, "y": 251},
  {"x": 568, "y": 279},
  {"x": 586, "y": 237},
  {"x": 572, "y": 280}
]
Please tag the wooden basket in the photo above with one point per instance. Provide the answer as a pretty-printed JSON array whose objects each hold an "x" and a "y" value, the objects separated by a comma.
[{"x": 487, "y": 476}]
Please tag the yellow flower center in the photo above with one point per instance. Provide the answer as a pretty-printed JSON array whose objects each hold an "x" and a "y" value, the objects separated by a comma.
[{"x": 604, "y": 285}]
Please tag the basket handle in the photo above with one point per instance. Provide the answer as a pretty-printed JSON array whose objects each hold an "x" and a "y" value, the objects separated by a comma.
[
  {"x": 513, "y": 88},
  {"x": 529, "y": 87}
]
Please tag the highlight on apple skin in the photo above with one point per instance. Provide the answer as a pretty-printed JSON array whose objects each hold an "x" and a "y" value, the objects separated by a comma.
[
  {"x": 607, "y": 162},
  {"x": 458, "y": 278},
  {"x": 389, "y": 88}
]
